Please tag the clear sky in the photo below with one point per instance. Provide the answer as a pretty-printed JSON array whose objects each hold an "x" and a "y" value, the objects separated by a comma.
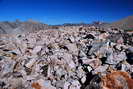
[{"x": 65, "y": 11}]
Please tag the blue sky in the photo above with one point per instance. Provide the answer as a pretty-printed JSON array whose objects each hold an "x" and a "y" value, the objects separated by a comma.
[{"x": 65, "y": 11}]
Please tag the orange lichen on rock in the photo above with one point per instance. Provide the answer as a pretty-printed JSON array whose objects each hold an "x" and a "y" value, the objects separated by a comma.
[
  {"x": 130, "y": 83},
  {"x": 117, "y": 80},
  {"x": 36, "y": 85}
]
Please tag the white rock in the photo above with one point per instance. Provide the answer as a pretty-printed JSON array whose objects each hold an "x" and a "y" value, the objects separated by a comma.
[
  {"x": 89, "y": 68},
  {"x": 49, "y": 71},
  {"x": 36, "y": 49},
  {"x": 30, "y": 63},
  {"x": 72, "y": 39},
  {"x": 83, "y": 79}
]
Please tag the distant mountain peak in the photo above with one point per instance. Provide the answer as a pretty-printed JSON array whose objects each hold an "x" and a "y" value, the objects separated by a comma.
[
  {"x": 125, "y": 23},
  {"x": 33, "y": 21}
]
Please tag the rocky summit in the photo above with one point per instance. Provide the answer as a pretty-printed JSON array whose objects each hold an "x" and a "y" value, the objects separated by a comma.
[{"x": 70, "y": 57}]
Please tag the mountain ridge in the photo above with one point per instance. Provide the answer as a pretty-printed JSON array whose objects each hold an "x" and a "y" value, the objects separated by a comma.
[{"x": 18, "y": 26}]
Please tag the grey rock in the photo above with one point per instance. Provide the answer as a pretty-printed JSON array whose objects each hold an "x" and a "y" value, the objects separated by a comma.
[
  {"x": 130, "y": 49},
  {"x": 116, "y": 58}
]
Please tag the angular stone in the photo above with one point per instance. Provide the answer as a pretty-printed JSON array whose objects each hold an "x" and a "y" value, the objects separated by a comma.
[
  {"x": 72, "y": 48},
  {"x": 36, "y": 50},
  {"x": 68, "y": 58},
  {"x": 66, "y": 85},
  {"x": 116, "y": 58},
  {"x": 30, "y": 63},
  {"x": 101, "y": 69},
  {"x": 42, "y": 84},
  {"x": 75, "y": 85},
  {"x": 83, "y": 79}
]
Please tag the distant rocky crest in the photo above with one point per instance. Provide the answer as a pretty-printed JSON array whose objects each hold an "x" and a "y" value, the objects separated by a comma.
[
  {"x": 7, "y": 27},
  {"x": 125, "y": 24},
  {"x": 18, "y": 26}
]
